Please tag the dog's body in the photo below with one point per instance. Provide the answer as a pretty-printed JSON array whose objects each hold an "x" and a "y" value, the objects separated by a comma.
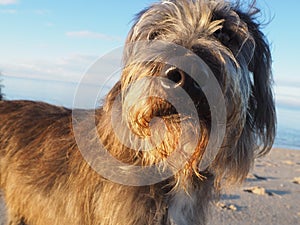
[{"x": 45, "y": 179}]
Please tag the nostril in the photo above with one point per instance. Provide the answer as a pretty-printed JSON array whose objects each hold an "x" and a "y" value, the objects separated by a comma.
[{"x": 176, "y": 76}]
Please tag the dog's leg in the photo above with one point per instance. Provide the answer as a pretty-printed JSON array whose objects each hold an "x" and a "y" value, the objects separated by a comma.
[{"x": 14, "y": 219}]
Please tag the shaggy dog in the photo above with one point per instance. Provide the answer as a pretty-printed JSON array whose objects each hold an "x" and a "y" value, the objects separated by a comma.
[{"x": 164, "y": 116}]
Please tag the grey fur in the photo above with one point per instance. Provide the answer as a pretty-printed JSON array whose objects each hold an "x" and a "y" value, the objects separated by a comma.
[{"x": 45, "y": 179}]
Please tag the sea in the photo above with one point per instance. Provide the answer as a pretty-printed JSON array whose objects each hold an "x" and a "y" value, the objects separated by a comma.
[{"x": 63, "y": 92}]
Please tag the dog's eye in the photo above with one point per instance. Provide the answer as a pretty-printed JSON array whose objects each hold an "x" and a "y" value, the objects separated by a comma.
[
  {"x": 222, "y": 36},
  {"x": 153, "y": 35}
]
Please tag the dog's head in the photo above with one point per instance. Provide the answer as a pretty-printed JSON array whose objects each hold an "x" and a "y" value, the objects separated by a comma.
[{"x": 162, "y": 72}]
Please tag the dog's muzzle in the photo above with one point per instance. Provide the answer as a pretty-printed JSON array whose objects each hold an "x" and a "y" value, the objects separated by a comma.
[{"x": 177, "y": 78}]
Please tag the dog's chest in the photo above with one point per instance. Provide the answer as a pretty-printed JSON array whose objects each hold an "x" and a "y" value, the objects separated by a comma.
[{"x": 181, "y": 208}]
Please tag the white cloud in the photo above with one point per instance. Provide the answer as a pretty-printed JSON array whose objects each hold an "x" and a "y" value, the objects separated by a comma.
[
  {"x": 8, "y": 11},
  {"x": 49, "y": 24},
  {"x": 68, "y": 69},
  {"x": 288, "y": 96},
  {"x": 90, "y": 35},
  {"x": 59, "y": 79},
  {"x": 64, "y": 69},
  {"x": 41, "y": 11},
  {"x": 290, "y": 81},
  {"x": 8, "y": 2}
]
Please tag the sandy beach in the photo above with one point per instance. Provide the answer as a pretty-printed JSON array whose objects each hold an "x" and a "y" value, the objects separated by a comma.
[{"x": 269, "y": 196}]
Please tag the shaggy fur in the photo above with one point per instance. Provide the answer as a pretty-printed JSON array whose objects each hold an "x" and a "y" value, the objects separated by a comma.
[{"x": 45, "y": 179}]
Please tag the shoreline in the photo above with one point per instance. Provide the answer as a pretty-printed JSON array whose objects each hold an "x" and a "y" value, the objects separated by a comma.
[
  {"x": 269, "y": 195},
  {"x": 285, "y": 147}
]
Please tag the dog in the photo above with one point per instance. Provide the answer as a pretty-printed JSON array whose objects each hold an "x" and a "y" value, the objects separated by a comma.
[{"x": 147, "y": 122}]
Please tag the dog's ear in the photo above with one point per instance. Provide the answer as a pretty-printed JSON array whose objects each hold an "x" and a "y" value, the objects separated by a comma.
[
  {"x": 258, "y": 134},
  {"x": 261, "y": 114}
]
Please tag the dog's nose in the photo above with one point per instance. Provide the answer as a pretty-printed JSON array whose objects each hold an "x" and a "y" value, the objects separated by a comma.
[{"x": 176, "y": 76}]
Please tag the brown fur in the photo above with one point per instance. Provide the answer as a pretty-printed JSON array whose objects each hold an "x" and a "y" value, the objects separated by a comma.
[{"x": 45, "y": 179}]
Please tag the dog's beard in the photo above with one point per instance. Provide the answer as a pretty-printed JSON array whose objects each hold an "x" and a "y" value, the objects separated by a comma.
[
  {"x": 157, "y": 133},
  {"x": 157, "y": 129}
]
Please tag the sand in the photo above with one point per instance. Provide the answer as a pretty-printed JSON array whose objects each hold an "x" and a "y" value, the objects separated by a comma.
[{"x": 269, "y": 196}]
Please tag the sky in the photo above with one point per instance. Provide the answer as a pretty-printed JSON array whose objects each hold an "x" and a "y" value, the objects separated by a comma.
[{"x": 58, "y": 40}]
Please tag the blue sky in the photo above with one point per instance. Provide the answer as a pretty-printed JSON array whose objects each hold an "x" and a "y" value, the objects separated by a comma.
[{"x": 58, "y": 40}]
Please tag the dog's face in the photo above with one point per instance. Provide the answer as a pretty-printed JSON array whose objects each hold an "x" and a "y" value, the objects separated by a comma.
[{"x": 236, "y": 53}]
